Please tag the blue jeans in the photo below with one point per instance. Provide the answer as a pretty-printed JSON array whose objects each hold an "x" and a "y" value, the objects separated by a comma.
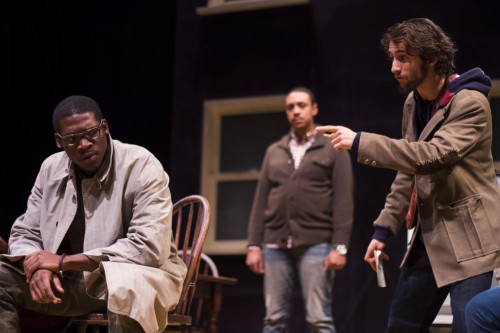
[
  {"x": 482, "y": 314},
  {"x": 417, "y": 298},
  {"x": 283, "y": 269}
]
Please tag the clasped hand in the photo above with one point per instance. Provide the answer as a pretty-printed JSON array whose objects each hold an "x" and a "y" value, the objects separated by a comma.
[{"x": 39, "y": 268}]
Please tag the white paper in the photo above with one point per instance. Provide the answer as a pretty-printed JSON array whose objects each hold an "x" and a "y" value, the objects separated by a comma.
[{"x": 380, "y": 269}]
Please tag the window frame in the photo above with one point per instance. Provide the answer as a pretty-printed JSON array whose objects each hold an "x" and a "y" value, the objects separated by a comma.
[
  {"x": 216, "y": 7},
  {"x": 213, "y": 111}
]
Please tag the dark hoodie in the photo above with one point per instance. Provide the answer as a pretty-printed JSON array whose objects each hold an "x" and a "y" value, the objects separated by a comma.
[{"x": 474, "y": 79}]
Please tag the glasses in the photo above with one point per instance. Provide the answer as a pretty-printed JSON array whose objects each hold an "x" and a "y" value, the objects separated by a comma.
[{"x": 89, "y": 134}]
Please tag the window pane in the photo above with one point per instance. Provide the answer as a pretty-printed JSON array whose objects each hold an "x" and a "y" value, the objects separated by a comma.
[
  {"x": 244, "y": 139},
  {"x": 234, "y": 201}
]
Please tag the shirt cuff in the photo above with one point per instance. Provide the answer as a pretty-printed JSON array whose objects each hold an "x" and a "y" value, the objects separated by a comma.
[
  {"x": 355, "y": 142},
  {"x": 382, "y": 234}
]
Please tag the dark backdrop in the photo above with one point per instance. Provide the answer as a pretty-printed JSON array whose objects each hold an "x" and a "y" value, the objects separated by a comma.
[
  {"x": 118, "y": 52},
  {"x": 151, "y": 64}
]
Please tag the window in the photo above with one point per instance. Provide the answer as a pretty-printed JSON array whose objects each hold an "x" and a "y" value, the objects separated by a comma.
[{"x": 236, "y": 134}]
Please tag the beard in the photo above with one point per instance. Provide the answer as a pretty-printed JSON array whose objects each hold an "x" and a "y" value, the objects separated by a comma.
[{"x": 414, "y": 82}]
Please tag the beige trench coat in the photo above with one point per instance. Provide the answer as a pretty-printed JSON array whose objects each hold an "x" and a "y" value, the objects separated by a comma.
[
  {"x": 458, "y": 195},
  {"x": 128, "y": 220}
]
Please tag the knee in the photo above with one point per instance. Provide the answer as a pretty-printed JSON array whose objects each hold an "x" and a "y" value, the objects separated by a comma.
[
  {"x": 478, "y": 304},
  {"x": 472, "y": 308},
  {"x": 5, "y": 279},
  {"x": 477, "y": 310},
  {"x": 10, "y": 284}
]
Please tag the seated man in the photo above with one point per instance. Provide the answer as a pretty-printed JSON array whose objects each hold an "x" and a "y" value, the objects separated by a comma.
[{"x": 97, "y": 232}]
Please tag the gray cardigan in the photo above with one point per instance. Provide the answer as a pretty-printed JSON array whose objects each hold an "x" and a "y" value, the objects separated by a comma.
[{"x": 313, "y": 204}]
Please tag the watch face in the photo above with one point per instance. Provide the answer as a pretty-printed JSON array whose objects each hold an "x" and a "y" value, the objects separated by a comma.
[{"x": 341, "y": 249}]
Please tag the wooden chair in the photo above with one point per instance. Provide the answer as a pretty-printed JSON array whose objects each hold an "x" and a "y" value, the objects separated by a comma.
[{"x": 190, "y": 223}]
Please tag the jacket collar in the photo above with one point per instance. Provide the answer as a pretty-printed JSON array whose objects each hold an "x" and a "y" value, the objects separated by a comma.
[
  {"x": 439, "y": 111},
  {"x": 443, "y": 108},
  {"x": 66, "y": 168},
  {"x": 319, "y": 141}
]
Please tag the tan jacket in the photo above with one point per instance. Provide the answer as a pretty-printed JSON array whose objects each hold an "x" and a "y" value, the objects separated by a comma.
[
  {"x": 128, "y": 218},
  {"x": 458, "y": 195}
]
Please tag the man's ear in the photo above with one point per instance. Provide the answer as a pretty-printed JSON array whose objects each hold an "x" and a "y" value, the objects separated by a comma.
[
  {"x": 105, "y": 125},
  {"x": 315, "y": 109},
  {"x": 58, "y": 143}
]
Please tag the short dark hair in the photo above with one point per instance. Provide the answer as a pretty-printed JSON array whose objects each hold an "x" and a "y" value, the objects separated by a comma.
[
  {"x": 305, "y": 90},
  {"x": 75, "y": 104},
  {"x": 423, "y": 38}
]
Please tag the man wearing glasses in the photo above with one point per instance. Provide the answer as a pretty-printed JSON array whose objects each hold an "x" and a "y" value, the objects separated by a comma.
[{"x": 97, "y": 231}]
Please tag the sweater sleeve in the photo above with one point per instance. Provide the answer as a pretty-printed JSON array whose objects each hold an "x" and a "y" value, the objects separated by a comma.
[
  {"x": 343, "y": 198},
  {"x": 256, "y": 221}
]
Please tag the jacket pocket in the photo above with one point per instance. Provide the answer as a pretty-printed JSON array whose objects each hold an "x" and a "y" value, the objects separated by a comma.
[
  {"x": 322, "y": 163},
  {"x": 468, "y": 228}
]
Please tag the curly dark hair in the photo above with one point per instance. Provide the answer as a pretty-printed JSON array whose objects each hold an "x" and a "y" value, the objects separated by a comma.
[
  {"x": 426, "y": 39},
  {"x": 75, "y": 104}
]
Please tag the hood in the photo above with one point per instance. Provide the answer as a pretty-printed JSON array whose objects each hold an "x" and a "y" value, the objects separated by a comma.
[{"x": 474, "y": 79}]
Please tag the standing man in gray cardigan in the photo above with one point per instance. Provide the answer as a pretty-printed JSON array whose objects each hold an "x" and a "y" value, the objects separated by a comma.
[
  {"x": 301, "y": 219},
  {"x": 445, "y": 188}
]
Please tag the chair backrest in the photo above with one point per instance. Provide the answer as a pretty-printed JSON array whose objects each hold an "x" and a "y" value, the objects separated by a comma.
[
  {"x": 190, "y": 223},
  {"x": 209, "y": 266}
]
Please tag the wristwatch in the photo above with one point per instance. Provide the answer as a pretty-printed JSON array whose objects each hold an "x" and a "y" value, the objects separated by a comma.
[{"x": 341, "y": 249}]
